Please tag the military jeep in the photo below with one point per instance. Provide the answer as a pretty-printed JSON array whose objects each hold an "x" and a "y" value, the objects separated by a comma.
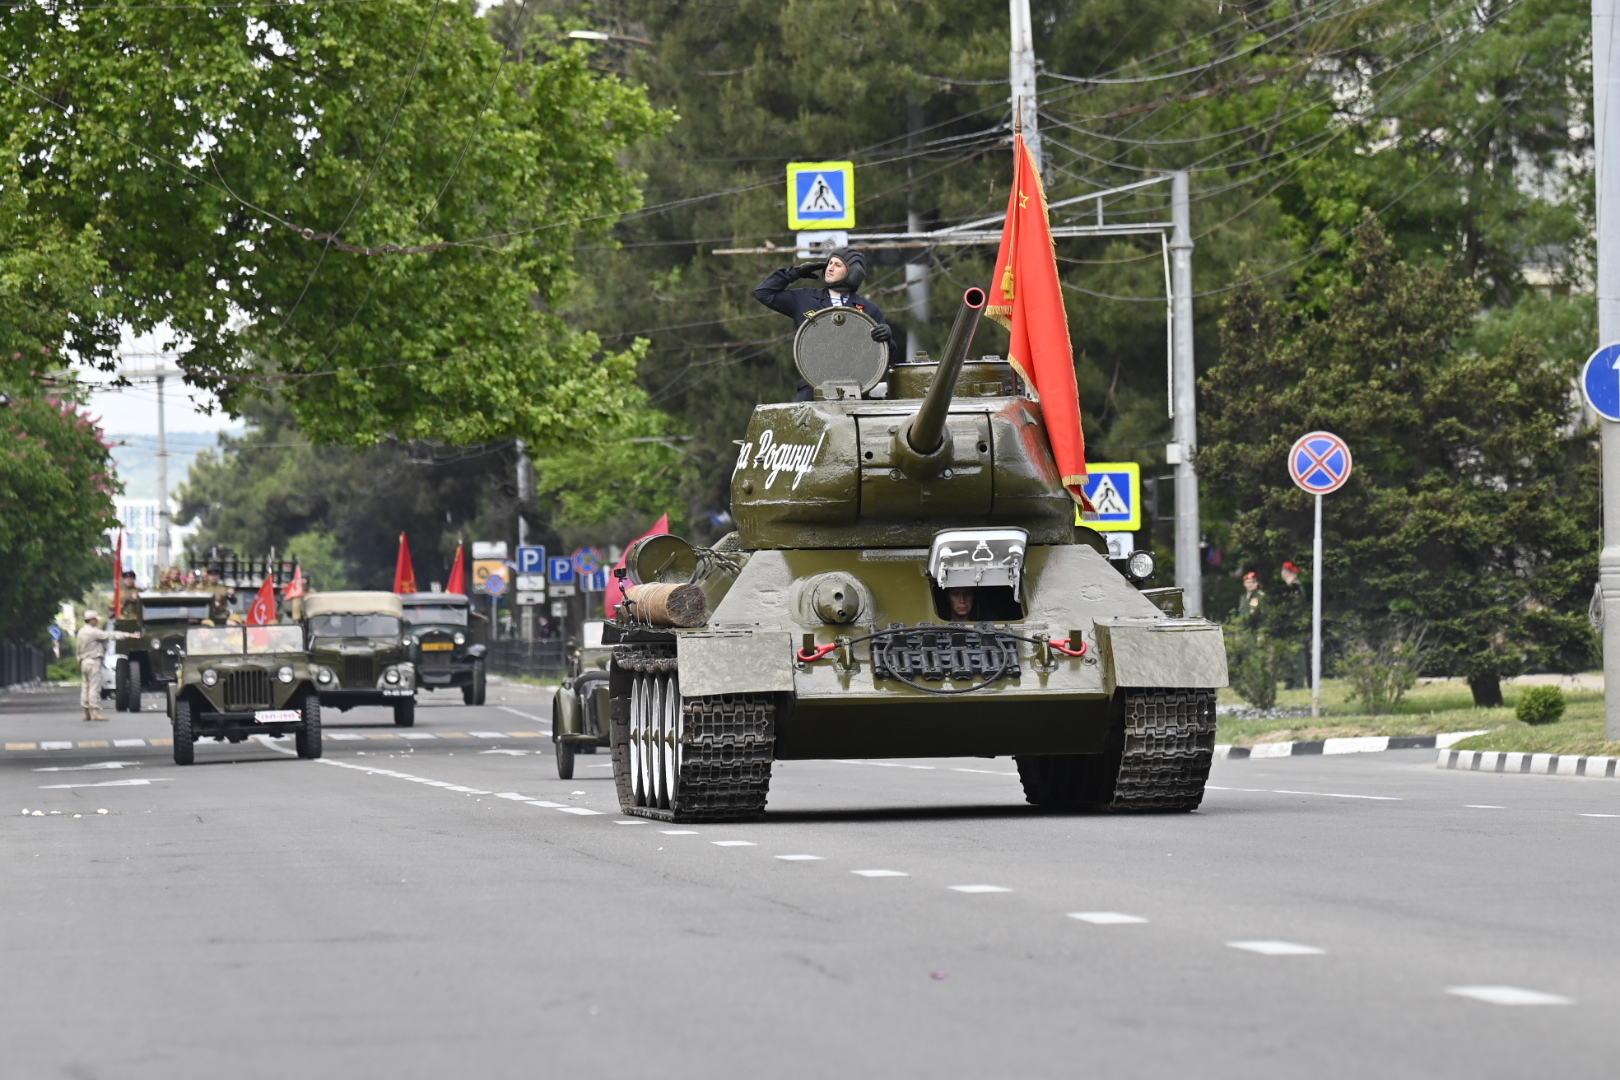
[
  {"x": 579, "y": 709},
  {"x": 448, "y": 641},
  {"x": 357, "y": 648},
  {"x": 150, "y": 662},
  {"x": 237, "y": 681}
]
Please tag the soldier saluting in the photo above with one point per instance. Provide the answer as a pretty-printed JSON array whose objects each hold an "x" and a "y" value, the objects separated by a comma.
[{"x": 843, "y": 273}]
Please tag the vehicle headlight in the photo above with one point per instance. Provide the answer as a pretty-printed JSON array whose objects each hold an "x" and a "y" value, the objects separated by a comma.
[
  {"x": 391, "y": 675},
  {"x": 461, "y": 639},
  {"x": 285, "y": 674},
  {"x": 323, "y": 676},
  {"x": 157, "y": 643},
  {"x": 1140, "y": 565},
  {"x": 210, "y": 677}
]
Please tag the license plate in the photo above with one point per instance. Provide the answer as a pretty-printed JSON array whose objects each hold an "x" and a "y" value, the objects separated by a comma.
[
  {"x": 437, "y": 646},
  {"x": 276, "y": 716}
]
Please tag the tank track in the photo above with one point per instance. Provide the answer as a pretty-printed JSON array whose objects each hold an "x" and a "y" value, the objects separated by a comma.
[
  {"x": 728, "y": 743},
  {"x": 1169, "y": 745}
]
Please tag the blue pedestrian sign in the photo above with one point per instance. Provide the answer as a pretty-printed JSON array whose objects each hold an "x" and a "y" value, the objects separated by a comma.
[
  {"x": 560, "y": 570},
  {"x": 531, "y": 560},
  {"x": 821, "y": 195},
  {"x": 1319, "y": 462},
  {"x": 1600, "y": 382},
  {"x": 1115, "y": 493}
]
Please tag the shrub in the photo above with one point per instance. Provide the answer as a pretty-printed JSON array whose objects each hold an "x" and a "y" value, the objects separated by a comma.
[
  {"x": 1382, "y": 669},
  {"x": 1256, "y": 662},
  {"x": 1540, "y": 705},
  {"x": 67, "y": 670}
]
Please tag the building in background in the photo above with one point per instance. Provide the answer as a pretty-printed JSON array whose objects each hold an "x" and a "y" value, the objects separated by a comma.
[{"x": 140, "y": 521}]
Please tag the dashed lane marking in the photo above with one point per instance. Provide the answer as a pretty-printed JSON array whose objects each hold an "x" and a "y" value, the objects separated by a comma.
[
  {"x": 1106, "y": 918},
  {"x": 1600, "y": 815},
  {"x": 800, "y": 858},
  {"x": 1323, "y": 794},
  {"x": 1482, "y": 806},
  {"x": 86, "y": 768},
  {"x": 979, "y": 888},
  {"x": 882, "y": 764},
  {"x": 1509, "y": 995},
  {"x": 56, "y": 745},
  {"x": 524, "y": 715},
  {"x": 335, "y": 736},
  {"x": 679, "y": 832},
  {"x": 459, "y": 788},
  {"x": 1276, "y": 948},
  {"x": 105, "y": 783},
  {"x": 631, "y": 821},
  {"x": 733, "y": 843},
  {"x": 987, "y": 772},
  {"x": 580, "y": 810},
  {"x": 880, "y": 873},
  {"x": 488, "y": 734}
]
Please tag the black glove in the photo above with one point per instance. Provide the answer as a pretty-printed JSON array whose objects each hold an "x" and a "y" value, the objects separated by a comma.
[
  {"x": 882, "y": 332},
  {"x": 806, "y": 270}
]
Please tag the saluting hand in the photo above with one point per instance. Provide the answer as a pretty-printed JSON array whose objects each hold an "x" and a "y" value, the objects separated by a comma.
[{"x": 809, "y": 269}]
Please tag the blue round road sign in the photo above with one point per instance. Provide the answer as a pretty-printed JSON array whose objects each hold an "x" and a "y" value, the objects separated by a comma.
[
  {"x": 495, "y": 584},
  {"x": 1600, "y": 382},
  {"x": 1319, "y": 462},
  {"x": 588, "y": 560}
]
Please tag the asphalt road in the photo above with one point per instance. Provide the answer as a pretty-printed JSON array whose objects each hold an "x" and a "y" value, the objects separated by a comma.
[{"x": 417, "y": 909}]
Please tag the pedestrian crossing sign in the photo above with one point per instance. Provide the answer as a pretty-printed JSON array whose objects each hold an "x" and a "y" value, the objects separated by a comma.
[
  {"x": 1116, "y": 492},
  {"x": 821, "y": 195}
]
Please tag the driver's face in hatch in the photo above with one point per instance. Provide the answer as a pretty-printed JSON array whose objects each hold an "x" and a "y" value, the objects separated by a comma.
[
  {"x": 961, "y": 601},
  {"x": 836, "y": 271}
]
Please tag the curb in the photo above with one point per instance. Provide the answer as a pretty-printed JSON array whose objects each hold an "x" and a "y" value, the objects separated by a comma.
[
  {"x": 1360, "y": 744},
  {"x": 1504, "y": 761}
]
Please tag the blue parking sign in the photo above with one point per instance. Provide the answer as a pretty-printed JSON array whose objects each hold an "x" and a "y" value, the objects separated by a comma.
[
  {"x": 560, "y": 570},
  {"x": 596, "y": 582},
  {"x": 531, "y": 559}
]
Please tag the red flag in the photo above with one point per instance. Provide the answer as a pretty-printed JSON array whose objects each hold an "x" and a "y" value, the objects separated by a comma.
[
  {"x": 1027, "y": 298},
  {"x": 118, "y": 578},
  {"x": 404, "y": 572},
  {"x": 458, "y": 576},
  {"x": 296, "y": 587},
  {"x": 615, "y": 590},
  {"x": 263, "y": 610}
]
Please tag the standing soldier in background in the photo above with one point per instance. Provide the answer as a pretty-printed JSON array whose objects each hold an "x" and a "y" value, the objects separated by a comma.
[
  {"x": 130, "y": 602},
  {"x": 92, "y": 649}
]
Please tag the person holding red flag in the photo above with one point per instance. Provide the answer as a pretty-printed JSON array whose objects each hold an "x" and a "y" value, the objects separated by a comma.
[
  {"x": 404, "y": 572},
  {"x": 458, "y": 575},
  {"x": 262, "y": 612},
  {"x": 1026, "y": 297}
]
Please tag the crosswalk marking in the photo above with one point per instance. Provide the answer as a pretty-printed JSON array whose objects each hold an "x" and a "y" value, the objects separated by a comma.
[{"x": 335, "y": 736}]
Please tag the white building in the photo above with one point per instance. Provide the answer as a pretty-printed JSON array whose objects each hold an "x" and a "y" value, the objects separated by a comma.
[{"x": 140, "y": 521}]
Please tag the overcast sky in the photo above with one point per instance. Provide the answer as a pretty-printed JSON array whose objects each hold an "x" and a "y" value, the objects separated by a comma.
[{"x": 132, "y": 410}]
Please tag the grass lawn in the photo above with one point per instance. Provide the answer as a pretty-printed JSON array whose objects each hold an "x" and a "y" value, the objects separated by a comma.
[{"x": 1430, "y": 708}]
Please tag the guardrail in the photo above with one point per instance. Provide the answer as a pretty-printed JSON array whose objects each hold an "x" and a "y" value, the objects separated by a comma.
[
  {"x": 20, "y": 665},
  {"x": 539, "y": 659}
]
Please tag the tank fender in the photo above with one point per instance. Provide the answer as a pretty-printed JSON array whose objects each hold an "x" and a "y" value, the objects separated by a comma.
[
  {"x": 734, "y": 662},
  {"x": 1144, "y": 651},
  {"x": 567, "y": 715}
]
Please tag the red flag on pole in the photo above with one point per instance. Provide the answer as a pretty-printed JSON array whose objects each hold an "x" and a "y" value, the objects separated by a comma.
[
  {"x": 615, "y": 590},
  {"x": 1027, "y": 298},
  {"x": 118, "y": 578},
  {"x": 404, "y": 572},
  {"x": 263, "y": 610},
  {"x": 458, "y": 576},
  {"x": 296, "y": 587}
]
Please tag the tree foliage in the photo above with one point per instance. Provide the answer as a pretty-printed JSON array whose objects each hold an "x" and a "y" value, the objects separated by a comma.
[{"x": 1472, "y": 508}]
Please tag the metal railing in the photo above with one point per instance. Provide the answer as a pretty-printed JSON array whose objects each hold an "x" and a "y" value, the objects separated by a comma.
[
  {"x": 21, "y": 665},
  {"x": 540, "y": 659}
]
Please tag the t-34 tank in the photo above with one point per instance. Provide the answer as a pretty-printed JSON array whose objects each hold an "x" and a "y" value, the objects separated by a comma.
[{"x": 906, "y": 580}]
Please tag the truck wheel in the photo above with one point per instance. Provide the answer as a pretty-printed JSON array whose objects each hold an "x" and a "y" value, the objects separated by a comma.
[
  {"x": 120, "y": 684},
  {"x": 137, "y": 682},
  {"x": 565, "y": 760},
  {"x": 185, "y": 738},
  {"x": 405, "y": 712},
  {"x": 478, "y": 687},
  {"x": 308, "y": 736}
]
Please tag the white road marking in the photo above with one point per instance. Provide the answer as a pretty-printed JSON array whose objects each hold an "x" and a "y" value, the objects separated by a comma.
[
  {"x": 466, "y": 790},
  {"x": 987, "y": 772},
  {"x": 882, "y": 764},
  {"x": 487, "y": 734},
  {"x": 514, "y": 796},
  {"x": 1600, "y": 815},
  {"x": 678, "y": 832},
  {"x": 508, "y": 753},
  {"x": 733, "y": 843},
  {"x": 1508, "y": 995},
  {"x": 578, "y": 810},
  {"x": 85, "y": 768},
  {"x": 800, "y": 858},
  {"x": 547, "y": 805},
  {"x": 56, "y": 745},
  {"x": 1482, "y": 806},
  {"x": 632, "y": 821},
  {"x": 415, "y": 735},
  {"x": 608, "y": 766},
  {"x": 1276, "y": 948},
  {"x": 1336, "y": 795},
  {"x": 526, "y": 716},
  {"x": 1212, "y": 787},
  {"x": 881, "y": 873},
  {"x": 105, "y": 783},
  {"x": 1106, "y": 918},
  {"x": 978, "y": 888},
  {"x": 129, "y": 742},
  {"x": 342, "y": 736}
]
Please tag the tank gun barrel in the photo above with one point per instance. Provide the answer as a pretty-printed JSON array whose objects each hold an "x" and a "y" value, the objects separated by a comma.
[{"x": 927, "y": 431}]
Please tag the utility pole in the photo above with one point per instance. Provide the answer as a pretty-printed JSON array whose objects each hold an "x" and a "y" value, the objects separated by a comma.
[
  {"x": 1184, "y": 393},
  {"x": 1606, "y": 137},
  {"x": 163, "y": 514},
  {"x": 525, "y": 494},
  {"x": 918, "y": 263},
  {"x": 1023, "y": 82}
]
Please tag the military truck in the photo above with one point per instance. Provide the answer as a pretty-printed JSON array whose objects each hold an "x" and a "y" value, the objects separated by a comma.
[
  {"x": 357, "y": 648},
  {"x": 149, "y": 663},
  {"x": 579, "y": 709},
  {"x": 907, "y": 579},
  {"x": 238, "y": 681},
  {"x": 448, "y": 643}
]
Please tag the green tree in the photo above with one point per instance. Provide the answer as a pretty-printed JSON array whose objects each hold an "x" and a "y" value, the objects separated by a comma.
[
  {"x": 1472, "y": 509},
  {"x": 369, "y": 209}
]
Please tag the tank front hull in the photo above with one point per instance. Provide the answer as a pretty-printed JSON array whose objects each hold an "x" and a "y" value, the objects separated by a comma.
[{"x": 885, "y": 728}]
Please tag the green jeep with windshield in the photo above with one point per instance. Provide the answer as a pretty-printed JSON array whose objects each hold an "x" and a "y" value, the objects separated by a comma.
[
  {"x": 149, "y": 662},
  {"x": 236, "y": 681},
  {"x": 448, "y": 641},
  {"x": 357, "y": 648}
]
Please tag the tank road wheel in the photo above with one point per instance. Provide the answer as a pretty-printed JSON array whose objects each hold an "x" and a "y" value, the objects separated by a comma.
[
  {"x": 405, "y": 712},
  {"x": 1157, "y": 758},
  {"x": 681, "y": 758},
  {"x": 120, "y": 684},
  {"x": 307, "y": 739},
  {"x": 185, "y": 736}
]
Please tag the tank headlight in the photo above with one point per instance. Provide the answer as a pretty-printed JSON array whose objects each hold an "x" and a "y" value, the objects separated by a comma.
[
  {"x": 391, "y": 675},
  {"x": 461, "y": 639},
  {"x": 157, "y": 643},
  {"x": 285, "y": 674},
  {"x": 1140, "y": 565},
  {"x": 210, "y": 677},
  {"x": 323, "y": 676}
]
